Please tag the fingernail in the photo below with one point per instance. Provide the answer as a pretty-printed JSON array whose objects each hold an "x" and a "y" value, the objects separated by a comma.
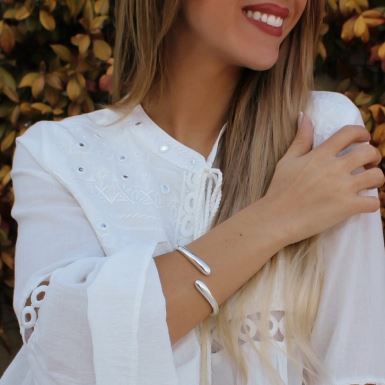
[{"x": 300, "y": 117}]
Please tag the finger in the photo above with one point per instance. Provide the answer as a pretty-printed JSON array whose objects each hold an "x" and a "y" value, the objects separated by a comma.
[
  {"x": 375, "y": 164},
  {"x": 362, "y": 154},
  {"x": 344, "y": 137},
  {"x": 373, "y": 178},
  {"x": 368, "y": 203}
]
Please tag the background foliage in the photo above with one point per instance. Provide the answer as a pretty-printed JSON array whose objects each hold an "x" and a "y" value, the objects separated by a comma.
[{"x": 55, "y": 61}]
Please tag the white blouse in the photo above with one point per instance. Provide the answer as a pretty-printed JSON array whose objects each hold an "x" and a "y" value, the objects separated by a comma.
[{"x": 131, "y": 192}]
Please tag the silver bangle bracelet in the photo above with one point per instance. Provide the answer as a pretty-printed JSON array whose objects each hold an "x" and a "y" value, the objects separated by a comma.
[
  {"x": 205, "y": 291},
  {"x": 201, "y": 265}
]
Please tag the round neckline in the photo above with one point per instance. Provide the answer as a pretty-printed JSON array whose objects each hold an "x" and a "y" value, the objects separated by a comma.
[{"x": 169, "y": 147}]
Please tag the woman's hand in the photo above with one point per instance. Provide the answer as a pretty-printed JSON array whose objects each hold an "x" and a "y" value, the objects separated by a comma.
[{"x": 315, "y": 189}]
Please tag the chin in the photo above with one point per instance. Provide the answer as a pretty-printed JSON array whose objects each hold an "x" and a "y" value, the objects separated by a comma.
[
  {"x": 258, "y": 61},
  {"x": 260, "y": 67},
  {"x": 258, "y": 64}
]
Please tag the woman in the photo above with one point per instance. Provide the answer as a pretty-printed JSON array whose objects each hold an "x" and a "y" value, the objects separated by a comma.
[{"x": 200, "y": 148}]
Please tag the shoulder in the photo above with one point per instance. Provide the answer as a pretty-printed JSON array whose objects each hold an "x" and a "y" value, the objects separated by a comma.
[
  {"x": 330, "y": 111},
  {"x": 48, "y": 140},
  {"x": 48, "y": 130}
]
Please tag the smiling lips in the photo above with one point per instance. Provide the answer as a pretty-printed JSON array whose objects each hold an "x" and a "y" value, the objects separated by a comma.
[{"x": 267, "y": 16}]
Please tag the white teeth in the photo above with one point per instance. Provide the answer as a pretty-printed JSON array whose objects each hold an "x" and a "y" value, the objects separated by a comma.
[
  {"x": 271, "y": 20},
  {"x": 275, "y": 21},
  {"x": 257, "y": 15}
]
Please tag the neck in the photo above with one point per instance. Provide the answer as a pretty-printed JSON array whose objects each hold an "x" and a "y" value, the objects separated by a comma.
[{"x": 192, "y": 107}]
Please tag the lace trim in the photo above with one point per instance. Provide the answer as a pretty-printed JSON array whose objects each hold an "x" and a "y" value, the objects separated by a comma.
[
  {"x": 185, "y": 230},
  {"x": 249, "y": 329},
  {"x": 201, "y": 194},
  {"x": 29, "y": 314}
]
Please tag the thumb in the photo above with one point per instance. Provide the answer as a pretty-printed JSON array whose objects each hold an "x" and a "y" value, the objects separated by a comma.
[{"x": 303, "y": 141}]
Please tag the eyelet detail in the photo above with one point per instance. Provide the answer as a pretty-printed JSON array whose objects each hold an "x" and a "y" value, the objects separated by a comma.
[
  {"x": 165, "y": 188},
  {"x": 31, "y": 311},
  {"x": 35, "y": 293}
]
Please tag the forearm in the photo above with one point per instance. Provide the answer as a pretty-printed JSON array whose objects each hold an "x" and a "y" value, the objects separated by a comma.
[{"x": 235, "y": 250}]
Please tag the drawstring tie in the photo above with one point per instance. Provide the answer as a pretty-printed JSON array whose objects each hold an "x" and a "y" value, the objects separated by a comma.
[{"x": 209, "y": 196}]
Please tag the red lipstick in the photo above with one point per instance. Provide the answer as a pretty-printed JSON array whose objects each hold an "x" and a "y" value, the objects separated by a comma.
[{"x": 250, "y": 12}]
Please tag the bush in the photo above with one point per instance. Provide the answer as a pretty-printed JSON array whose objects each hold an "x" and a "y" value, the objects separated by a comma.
[{"x": 55, "y": 61}]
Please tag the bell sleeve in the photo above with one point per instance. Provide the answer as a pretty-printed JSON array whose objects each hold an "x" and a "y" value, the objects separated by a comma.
[
  {"x": 81, "y": 312},
  {"x": 349, "y": 333}
]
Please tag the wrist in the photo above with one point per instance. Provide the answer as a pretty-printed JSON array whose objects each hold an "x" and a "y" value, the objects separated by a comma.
[{"x": 271, "y": 214}]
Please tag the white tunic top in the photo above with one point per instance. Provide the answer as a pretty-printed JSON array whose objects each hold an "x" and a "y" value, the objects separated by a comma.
[{"x": 130, "y": 192}]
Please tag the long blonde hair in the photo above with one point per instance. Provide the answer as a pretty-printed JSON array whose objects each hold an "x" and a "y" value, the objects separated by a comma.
[{"x": 261, "y": 124}]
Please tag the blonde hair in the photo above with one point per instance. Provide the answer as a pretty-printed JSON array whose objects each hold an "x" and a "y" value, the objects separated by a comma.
[{"x": 261, "y": 124}]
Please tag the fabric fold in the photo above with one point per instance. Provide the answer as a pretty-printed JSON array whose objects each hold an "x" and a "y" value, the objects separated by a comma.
[{"x": 115, "y": 300}]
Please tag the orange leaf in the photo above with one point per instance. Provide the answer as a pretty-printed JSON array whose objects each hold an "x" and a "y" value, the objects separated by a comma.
[
  {"x": 360, "y": 27},
  {"x": 7, "y": 259},
  {"x": 73, "y": 89},
  {"x": 7, "y": 38},
  {"x": 97, "y": 22},
  {"x": 3, "y": 173},
  {"x": 25, "y": 108},
  {"x": 62, "y": 51},
  {"x": 101, "y": 50},
  {"x": 347, "y": 32},
  {"x": 47, "y": 20},
  {"x": 8, "y": 140},
  {"x": 42, "y": 107},
  {"x": 7, "y": 79},
  {"x": 38, "y": 86},
  {"x": 379, "y": 134},
  {"x": 11, "y": 94},
  {"x": 80, "y": 79},
  {"x": 54, "y": 80},
  {"x": 51, "y": 4},
  {"x": 82, "y": 41},
  {"x": 374, "y": 22},
  {"x": 362, "y": 98},
  {"x": 75, "y": 6},
  {"x": 15, "y": 115},
  {"x": 9, "y": 13},
  {"x": 28, "y": 79},
  {"x": 377, "y": 111},
  {"x": 22, "y": 13},
  {"x": 371, "y": 13},
  {"x": 58, "y": 111},
  {"x": 101, "y": 6}
]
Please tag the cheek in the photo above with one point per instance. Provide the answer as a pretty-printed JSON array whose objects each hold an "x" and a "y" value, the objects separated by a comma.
[
  {"x": 298, "y": 11},
  {"x": 209, "y": 20}
]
